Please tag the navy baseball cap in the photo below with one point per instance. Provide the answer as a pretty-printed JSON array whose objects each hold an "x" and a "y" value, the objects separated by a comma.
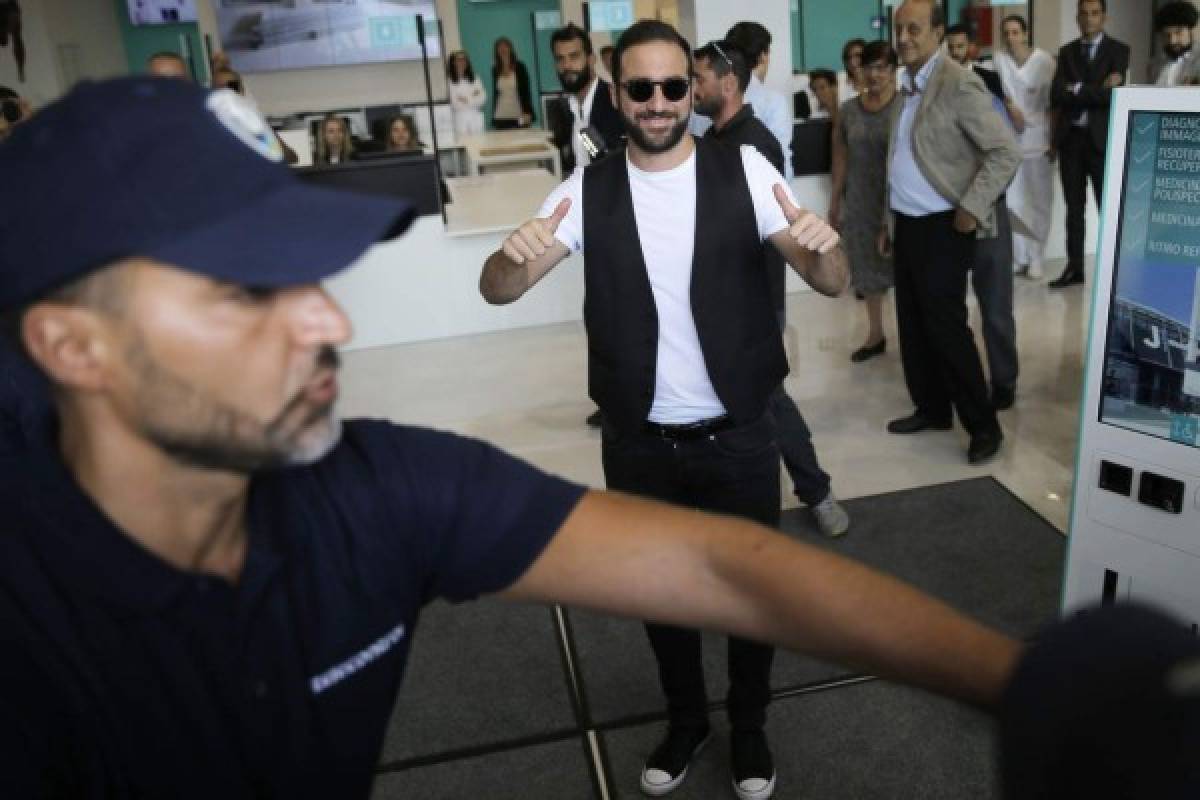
[
  {"x": 166, "y": 170},
  {"x": 1105, "y": 705}
]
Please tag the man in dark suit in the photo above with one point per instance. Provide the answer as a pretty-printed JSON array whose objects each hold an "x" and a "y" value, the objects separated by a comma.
[
  {"x": 589, "y": 98},
  {"x": 721, "y": 77},
  {"x": 588, "y": 111},
  {"x": 1089, "y": 68},
  {"x": 958, "y": 46}
]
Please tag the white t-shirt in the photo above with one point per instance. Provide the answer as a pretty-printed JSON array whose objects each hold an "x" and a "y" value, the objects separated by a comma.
[{"x": 664, "y": 206}]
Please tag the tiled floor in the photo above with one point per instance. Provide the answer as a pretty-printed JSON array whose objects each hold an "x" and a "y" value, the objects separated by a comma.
[{"x": 525, "y": 391}]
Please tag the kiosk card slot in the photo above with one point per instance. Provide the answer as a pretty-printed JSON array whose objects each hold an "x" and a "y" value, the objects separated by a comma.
[{"x": 1116, "y": 478}]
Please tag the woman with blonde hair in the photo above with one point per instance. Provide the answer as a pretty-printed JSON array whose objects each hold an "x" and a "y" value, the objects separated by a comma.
[{"x": 334, "y": 145}]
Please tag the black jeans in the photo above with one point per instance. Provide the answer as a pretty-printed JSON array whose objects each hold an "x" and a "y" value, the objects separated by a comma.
[
  {"x": 1079, "y": 161},
  {"x": 733, "y": 472},
  {"x": 941, "y": 364}
]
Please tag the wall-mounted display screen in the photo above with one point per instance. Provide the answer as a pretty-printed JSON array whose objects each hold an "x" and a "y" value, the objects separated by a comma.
[
  {"x": 161, "y": 12},
  {"x": 294, "y": 34},
  {"x": 1152, "y": 355}
]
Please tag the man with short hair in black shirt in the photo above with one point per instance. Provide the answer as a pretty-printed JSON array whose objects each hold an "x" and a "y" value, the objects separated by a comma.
[
  {"x": 207, "y": 581},
  {"x": 722, "y": 75}
]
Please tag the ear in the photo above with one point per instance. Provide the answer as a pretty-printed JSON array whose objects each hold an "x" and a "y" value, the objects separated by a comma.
[
  {"x": 729, "y": 84},
  {"x": 68, "y": 343}
]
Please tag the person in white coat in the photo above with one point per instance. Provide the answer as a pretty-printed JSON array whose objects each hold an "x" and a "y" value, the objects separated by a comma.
[
  {"x": 1026, "y": 74},
  {"x": 467, "y": 96}
]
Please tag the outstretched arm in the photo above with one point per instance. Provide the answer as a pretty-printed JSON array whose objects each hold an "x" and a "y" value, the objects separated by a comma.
[{"x": 646, "y": 560}]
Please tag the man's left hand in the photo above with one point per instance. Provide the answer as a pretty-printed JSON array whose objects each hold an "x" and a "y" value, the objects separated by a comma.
[
  {"x": 964, "y": 222},
  {"x": 810, "y": 231}
]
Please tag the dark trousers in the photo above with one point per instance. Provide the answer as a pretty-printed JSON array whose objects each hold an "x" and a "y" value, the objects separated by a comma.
[
  {"x": 809, "y": 481},
  {"x": 941, "y": 364},
  {"x": 733, "y": 472},
  {"x": 1078, "y": 161},
  {"x": 992, "y": 280}
]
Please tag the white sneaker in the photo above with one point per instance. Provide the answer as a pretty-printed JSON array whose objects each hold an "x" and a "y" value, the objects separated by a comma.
[
  {"x": 1034, "y": 272},
  {"x": 832, "y": 519}
]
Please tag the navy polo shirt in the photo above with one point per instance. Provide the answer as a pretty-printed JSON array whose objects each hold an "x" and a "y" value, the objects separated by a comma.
[{"x": 121, "y": 676}]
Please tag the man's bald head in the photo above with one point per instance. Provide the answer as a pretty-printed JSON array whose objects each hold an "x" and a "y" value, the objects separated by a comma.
[
  {"x": 168, "y": 65},
  {"x": 919, "y": 26},
  {"x": 931, "y": 8}
]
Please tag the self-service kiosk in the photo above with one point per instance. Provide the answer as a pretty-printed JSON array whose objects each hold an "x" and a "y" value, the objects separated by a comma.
[{"x": 1135, "y": 515}]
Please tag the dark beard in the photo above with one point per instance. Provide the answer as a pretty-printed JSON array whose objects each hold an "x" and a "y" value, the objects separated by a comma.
[
  {"x": 710, "y": 108},
  {"x": 574, "y": 81},
  {"x": 644, "y": 143},
  {"x": 1174, "y": 52},
  {"x": 218, "y": 436}
]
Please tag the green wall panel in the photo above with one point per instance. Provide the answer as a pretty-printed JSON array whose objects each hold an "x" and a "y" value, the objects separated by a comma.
[
  {"x": 143, "y": 41},
  {"x": 481, "y": 23},
  {"x": 821, "y": 27}
]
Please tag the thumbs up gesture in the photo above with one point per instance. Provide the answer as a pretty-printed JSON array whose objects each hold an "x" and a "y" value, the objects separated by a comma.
[
  {"x": 810, "y": 231},
  {"x": 530, "y": 241}
]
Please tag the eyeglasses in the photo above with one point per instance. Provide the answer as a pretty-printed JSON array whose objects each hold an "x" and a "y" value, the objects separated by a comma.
[{"x": 640, "y": 90}]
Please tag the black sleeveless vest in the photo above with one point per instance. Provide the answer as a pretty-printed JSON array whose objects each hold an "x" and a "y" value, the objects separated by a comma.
[{"x": 730, "y": 293}]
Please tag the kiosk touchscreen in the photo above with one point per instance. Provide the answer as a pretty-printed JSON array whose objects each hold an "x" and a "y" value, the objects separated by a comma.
[{"x": 1135, "y": 518}]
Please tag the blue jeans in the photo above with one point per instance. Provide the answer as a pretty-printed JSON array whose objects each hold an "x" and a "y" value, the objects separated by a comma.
[{"x": 733, "y": 472}]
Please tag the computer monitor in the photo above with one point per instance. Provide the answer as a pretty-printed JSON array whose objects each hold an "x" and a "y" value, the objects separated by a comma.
[
  {"x": 410, "y": 176},
  {"x": 1152, "y": 352}
]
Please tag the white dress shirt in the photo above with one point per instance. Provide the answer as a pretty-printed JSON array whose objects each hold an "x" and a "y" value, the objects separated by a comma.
[
  {"x": 775, "y": 111},
  {"x": 1082, "y": 120},
  {"x": 582, "y": 113},
  {"x": 909, "y": 192}
]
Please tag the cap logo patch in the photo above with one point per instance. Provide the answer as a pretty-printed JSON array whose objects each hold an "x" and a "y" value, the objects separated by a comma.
[{"x": 242, "y": 119}]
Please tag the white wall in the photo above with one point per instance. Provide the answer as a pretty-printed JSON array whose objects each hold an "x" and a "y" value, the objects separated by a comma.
[
  {"x": 88, "y": 39},
  {"x": 1131, "y": 21},
  {"x": 42, "y": 80},
  {"x": 713, "y": 18},
  {"x": 337, "y": 87}
]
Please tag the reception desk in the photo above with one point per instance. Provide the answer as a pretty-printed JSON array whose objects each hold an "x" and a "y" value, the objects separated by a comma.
[{"x": 527, "y": 147}]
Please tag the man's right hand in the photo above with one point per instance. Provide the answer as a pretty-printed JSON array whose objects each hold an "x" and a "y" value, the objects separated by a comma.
[
  {"x": 1114, "y": 80},
  {"x": 530, "y": 241},
  {"x": 883, "y": 244}
]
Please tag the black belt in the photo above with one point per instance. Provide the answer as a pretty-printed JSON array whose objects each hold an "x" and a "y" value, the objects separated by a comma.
[{"x": 691, "y": 430}]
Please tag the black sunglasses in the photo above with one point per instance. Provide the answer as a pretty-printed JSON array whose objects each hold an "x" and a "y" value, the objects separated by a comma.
[{"x": 640, "y": 90}]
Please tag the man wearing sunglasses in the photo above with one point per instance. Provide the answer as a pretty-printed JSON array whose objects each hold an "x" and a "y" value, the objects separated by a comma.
[{"x": 684, "y": 347}]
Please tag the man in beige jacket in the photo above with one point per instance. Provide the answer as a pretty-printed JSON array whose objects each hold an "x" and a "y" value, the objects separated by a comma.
[{"x": 950, "y": 157}]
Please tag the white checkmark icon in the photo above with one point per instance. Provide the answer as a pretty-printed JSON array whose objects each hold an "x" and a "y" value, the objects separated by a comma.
[
  {"x": 1149, "y": 127},
  {"x": 1140, "y": 159},
  {"x": 1141, "y": 186}
]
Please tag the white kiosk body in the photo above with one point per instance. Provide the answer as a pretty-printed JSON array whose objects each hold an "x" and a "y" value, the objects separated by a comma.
[{"x": 1135, "y": 514}]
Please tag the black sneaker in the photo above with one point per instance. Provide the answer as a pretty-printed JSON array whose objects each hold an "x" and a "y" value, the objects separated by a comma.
[
  {"x": 753, "y": 767},
  {"x": 667, "y": 766}
]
